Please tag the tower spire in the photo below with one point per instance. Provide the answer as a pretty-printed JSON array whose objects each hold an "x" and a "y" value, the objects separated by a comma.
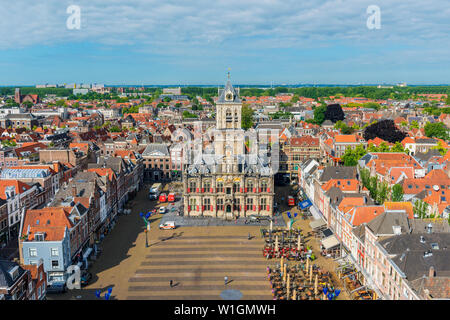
[{"x": 228, "y": 73}]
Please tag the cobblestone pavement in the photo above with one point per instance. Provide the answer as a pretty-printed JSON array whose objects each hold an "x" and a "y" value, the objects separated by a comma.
[
  {"x": 196, "y": 259},
  {"x": 206, "y": 221},
  {"x": 327, "y": 264}
]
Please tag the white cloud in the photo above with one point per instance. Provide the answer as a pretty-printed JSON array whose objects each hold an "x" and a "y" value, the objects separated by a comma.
[{"x": 250, "y": 23}]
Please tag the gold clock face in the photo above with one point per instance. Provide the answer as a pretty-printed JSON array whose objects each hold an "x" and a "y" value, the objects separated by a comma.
[{"x": 229, "y": 96}]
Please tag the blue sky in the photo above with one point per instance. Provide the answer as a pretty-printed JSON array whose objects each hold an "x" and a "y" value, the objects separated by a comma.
[{"x": 195, "y": 42}]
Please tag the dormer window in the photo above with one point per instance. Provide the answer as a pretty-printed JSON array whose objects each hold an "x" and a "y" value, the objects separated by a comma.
[{"x": 39, "y": 237}]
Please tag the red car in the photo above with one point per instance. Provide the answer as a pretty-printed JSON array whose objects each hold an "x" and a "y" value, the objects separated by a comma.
[
  {"x": 291, "y": 201},
  {"x": 171, "y": 197},
  {"x": 162, "y": 197}
]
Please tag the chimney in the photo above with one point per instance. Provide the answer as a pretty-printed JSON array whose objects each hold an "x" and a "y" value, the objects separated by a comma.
[
  {"x": 431, "y": 272},
  {"x": 74, "y": 191}
]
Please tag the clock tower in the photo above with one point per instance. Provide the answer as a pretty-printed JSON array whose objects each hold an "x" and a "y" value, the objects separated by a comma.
[{"x": 228, "y": 108}]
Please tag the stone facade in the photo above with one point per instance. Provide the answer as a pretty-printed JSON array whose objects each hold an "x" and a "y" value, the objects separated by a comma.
[{"x": 233, "y": 181}]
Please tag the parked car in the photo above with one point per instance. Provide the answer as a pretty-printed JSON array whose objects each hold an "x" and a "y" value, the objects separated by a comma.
[
  {"x": 162, "y": 210},
  {"x": 85, "y": 277},
  {"x": 167, "y": 225},
  {"x": 59, "y": 287}
]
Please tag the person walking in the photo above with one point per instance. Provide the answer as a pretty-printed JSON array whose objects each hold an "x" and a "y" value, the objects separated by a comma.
[
  {"x": 249, "y": 236},
  {"x": 171, "y": 283},
  {"x": 226, "y": 280}
]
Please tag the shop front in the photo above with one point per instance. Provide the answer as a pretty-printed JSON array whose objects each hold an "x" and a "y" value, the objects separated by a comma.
[{"x": 330, "y": 246}]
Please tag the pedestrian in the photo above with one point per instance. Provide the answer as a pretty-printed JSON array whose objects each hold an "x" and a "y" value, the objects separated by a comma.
[
  {"x": 171, "y": 283},
  {"x": 226, "y": 280},
  {"x": 249, "y": 237}
]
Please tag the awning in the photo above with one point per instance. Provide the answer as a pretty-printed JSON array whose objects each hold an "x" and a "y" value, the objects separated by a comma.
[
  {"x": 305, "y": 204},
  {"x": 87, "y": 253},
  {"x": 330, "y": 242},
  {"x": 327, "y": 232},
  {"x": 315, "y": 213},
  {"x": 317, "y": 224}
]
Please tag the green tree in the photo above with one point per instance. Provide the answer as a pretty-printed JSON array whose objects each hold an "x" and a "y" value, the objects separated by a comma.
[
  {"x": 188, "y": 115},
  {"x": 440, "y": 148},
  {"x": 382, "y": 191},
  {"x": 373, "y": 187},
  {"x": 437, "y": 129},
  {"x": 114, "y": 129},
  {"x": 398, "y": 147},
  {"x": 319, "y": 114},
  {"x": 246, "y": 117},
  {"x": 447, "y": 101},
  {"x": 61, "y": 103},
  {"x": 351, "y": 156},
  {"x": 28, "y": 104},
  {"x": 397, "y": 193},
  {"x": 383, "y": 147},
  {"x": 420, "y": 209},
  {"x": 372, "y": 105},
  {"x": 414, "y": 124},
  {"x": 365, "y": 176},
  {"x": 372, "y": 148}
]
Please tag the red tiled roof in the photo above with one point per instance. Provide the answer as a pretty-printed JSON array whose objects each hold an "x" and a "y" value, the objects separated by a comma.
[
  {"x": 50, "y": 220},
  {"x": 407, "y": 206},
  {"x": 345, "y": 138},
  {"x": 19, "y": 187}
]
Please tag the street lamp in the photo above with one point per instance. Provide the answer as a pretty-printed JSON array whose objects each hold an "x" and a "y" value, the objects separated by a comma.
[
  {"x": 147, "y": 225},
  {"x": 146, "y": 238}
]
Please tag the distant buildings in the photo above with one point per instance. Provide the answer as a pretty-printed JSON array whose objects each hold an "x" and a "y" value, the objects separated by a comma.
[{"x": 173, "y": 91}]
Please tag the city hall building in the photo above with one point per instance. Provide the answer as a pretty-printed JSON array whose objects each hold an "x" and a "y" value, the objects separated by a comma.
[{"x": 235, "y": 177}]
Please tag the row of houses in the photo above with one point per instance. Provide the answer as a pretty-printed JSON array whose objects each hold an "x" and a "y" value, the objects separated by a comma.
[{"x": 399, "y": 254}]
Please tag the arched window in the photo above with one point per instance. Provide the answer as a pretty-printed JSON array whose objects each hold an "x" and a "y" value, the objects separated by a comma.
[
  {"x": 192, "y": 186},
  {"x": 264, "y": 186},
  {"x": 249, "y": 204},
  {"x": 229, "y": 115},
  {"x": 207, "y": 186},
  {"x": 250, "y": 185}
]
